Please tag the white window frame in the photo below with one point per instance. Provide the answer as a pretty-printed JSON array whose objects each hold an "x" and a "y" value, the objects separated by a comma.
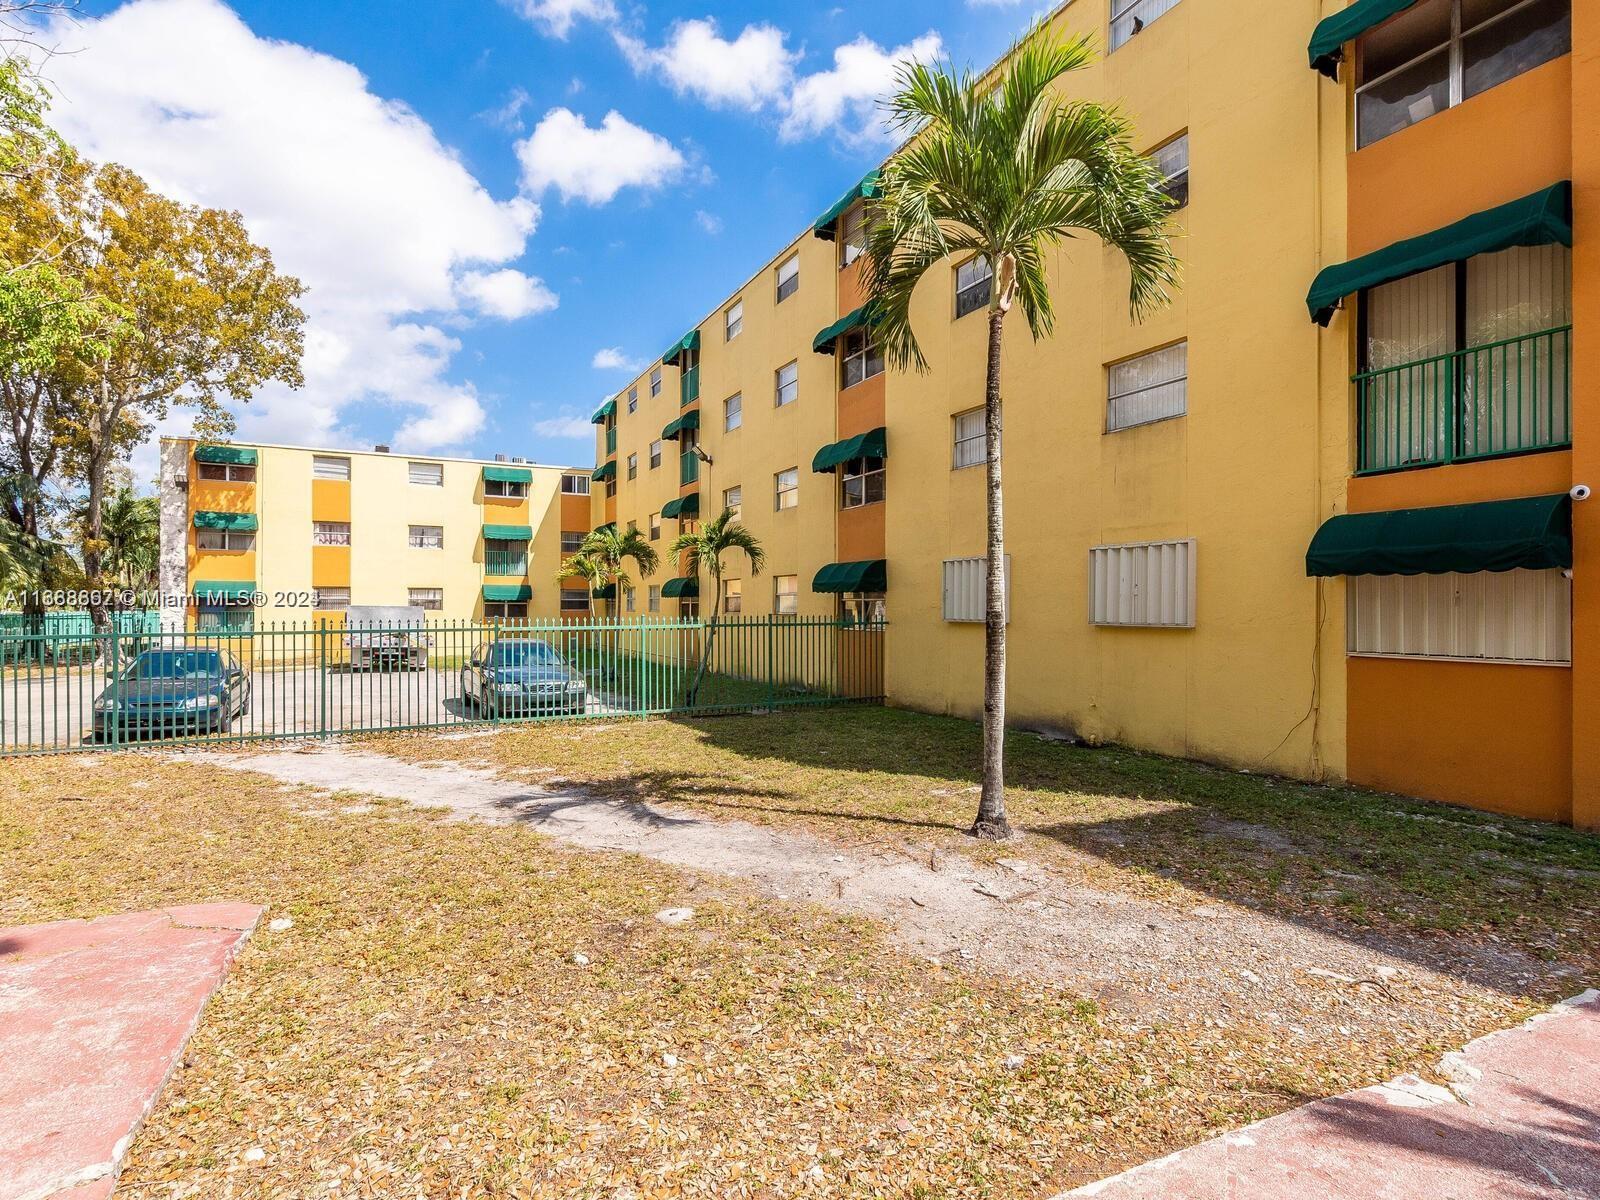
[
  {"x": 653, "y": 598},
  {"x": 503, "y": 489},
  {"x": 780, "y": 492},
  {"x": 425, "y": 474},
  {"x": 509, "y": 611},
  {"x": 792, "y": 387},
  {"x": 655, "y": 454},
  {"x": 574, "y": 600},
  {"x": 425, "y": 537},
  {"x": 786, "y": 600},
  {"x": 330, "y": 533},
  {"x": 733, "y": 412},
  {"x": 963, "y": 590},
  {"x": 335, "y": 467},
  {"x": 860, "y": 349},
  {"x": 1132, "y": 12},
  {"x": 864, "y": 471},
  {"x": 655, "y": 527},
  {"x": 732, "y": 597},
  {"x": 226, "y": 472},
  {"x": 633, "y": 465},
  {"x": 733, "y": 500},
  {"x": 225, "y": 541},
  {"x": 1144, "y": 585},
  {"x": 655, "y": 381},
  {"x": 332, "y": 599},
  {"x": 633, "y": 398},
  {"x": 1113, "y": 425},
  {"x": 984, "y": 282},
  {"x": 852, "y": 234},
  {"x": 575, "y": 485},
  {"x": 733, "y": 321},
  {"x": 429, "y": 599},
  {"x": 788, "y": 273},
  {"x": 572, "y": 541},
  {"x": 960, "y": 442},
  {"x": 1174, "y": 177}
]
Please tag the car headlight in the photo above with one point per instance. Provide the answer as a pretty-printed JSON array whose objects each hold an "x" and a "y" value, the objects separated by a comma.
[
  {"x": 105, "y": 704},
  {"x": 195, "y": 702},
  {"x": 503, "y": 686},
  {"x": 574, "y": 685}
]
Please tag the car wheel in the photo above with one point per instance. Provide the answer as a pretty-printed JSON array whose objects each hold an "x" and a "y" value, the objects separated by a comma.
[{"x": 225, "y": 722}]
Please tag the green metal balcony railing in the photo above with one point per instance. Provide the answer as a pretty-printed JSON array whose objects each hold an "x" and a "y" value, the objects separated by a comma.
[
  {"x": 688, "y": 467},
  {"x": 611, "y": 440},
  {"x": 690, "y": 386},
  {"x": 1508, "y": 397},
  {"x": 505, "y": 562}
]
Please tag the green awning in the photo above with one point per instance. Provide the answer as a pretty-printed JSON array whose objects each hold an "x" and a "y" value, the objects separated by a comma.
[
  {"x": 604, "y": 413},
  {"x": 609, "y": 592},
  {"x": 1329, "y": 37},
  {"x": 508, "y": 474},
  {"x": 1536, "y": 220},
  {"x": 236, "y": 456},
  {"x": 872, "y": 575},
  {"x": 605, "y": 471},
  {"x": 1500, "y": 535},
  {"x": 678, "y": 588},
  {"x": 867, "y": 189},
  {"x": 603, "y": 528},
  {"x": 683, "y": 506},
  {"x": 217, "y": 592},
  {"x": 867, "y": 314},
  {"x": 689, "y": 341},
  {"x": 507, "y": 593},
  {"x": 864, "y": 445},
  {"x": 508, "y": 533},
  {"x": 689, "y": 420},
  {"x": 224, "y": 520}
]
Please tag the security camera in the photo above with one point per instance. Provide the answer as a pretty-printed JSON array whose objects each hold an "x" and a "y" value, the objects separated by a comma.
[
  {"x": 1580, "y": 491},
  {"x": 702, "y": 455}
]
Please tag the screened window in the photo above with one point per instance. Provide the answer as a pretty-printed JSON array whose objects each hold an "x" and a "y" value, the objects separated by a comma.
[
  {"x": 788, "y": 384},
  {"x": 1151, "y": 387},
  {"x": 633, "y": 466},
  {"x": 861, "y": 482},
  {"x": 968, "y": 434},
  {"x": 572, "y": 541},
  {"x": 426, "y": 537},
  {"x": 786, "y": 595},
  {"x": 611, "y": 487},
  {"x": 1129, "y": 17},
  {"x": 788, "y": 488},
  {"x": 574, "y": 600},
  {"x": 425, "y": 474},
  {"x": 501, "y": 557},
  {"x": 1172, "y": 160},
  {"x": 1436, "y": 54},
  {"x": 732, "y": 596},
  {"x": 965, "y": 589},
  {"x": 330, "y": 533},
  {"x": 655, "y": 455},
  {"x": 974, "y": 285},
  {"x": 234, "y": 540},
  {"x": 788, "y": 277},
  {"x": 655, "y": 381},
  {"x": 732, "y": 413},
  {"x": 329, "y": 466},
  {"x": 226, "y": 472},
  {"x": 495, "y": 610},
  {"x": 734, "y": 320},
  {"x": 332, "y": 598},
  {"x": 502, "y": 489},
  {"x": 633, "y": 399},
  {"x": 852, "y": 234},
  {"x": 655, "y": 527},
  {"x": 225, "y": 618},
  {"x": 653, "y": 598},
  {"x": 862, "y": 358},
  {"x": 689, "y": 608},
  {"x": 431, "y": 599},
  {"x": 862, "y": 608},
  {"x": 1493, "y": 616},
  {"x": 575, "y": 485},
  {"x": 733, "y": 501}
]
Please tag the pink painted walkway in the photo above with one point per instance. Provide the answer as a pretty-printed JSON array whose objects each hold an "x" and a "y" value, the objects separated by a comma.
[
  {"x": 93, "y": 1017},
  {"x": 1519, "y": 1121}
]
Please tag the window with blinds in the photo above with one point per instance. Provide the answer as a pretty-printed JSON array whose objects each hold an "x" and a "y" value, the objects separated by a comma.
[
  {"x": 1491, "y": 616},
  {"x": 964, "y": 592},
  {"x": 426, "y": 474},
  {"x": 1129, "y": 17},
  {"x": 1149, "y": 584},
  {"x": 1151, "y": 387},
  {"x": 328, "y": 466},
  {"x": 788, "y": 278},
  {"x": 968, "y": 438}
]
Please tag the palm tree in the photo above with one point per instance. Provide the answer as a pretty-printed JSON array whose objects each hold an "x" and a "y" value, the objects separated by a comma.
[
  {"x": 601, "y": 556},
  {"x": 1007, "y": 174},
  {"x": 702, "y": 551},
  {"x": 131, "y": 526}
]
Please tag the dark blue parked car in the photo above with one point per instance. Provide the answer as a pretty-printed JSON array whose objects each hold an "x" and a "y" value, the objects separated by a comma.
[
  {"x": 174, "y": 692},
  {"x": 522, "y": 677}
]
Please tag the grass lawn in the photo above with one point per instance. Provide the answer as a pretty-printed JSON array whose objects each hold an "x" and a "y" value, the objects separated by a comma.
[{"x": 423, "y": 1028}]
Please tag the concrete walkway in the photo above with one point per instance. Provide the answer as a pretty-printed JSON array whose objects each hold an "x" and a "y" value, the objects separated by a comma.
[
  {"x": 93, "y": 1018},
  {"x": 1520, "y": 1118}
]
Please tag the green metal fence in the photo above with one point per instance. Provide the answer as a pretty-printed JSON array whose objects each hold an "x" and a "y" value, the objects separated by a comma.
[
  {"x": 84, "y": 691},
  {"x": 1507, "y": 397}
]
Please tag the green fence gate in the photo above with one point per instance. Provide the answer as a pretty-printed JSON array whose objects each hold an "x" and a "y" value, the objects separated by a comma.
[{"x": 68, "y": 688}]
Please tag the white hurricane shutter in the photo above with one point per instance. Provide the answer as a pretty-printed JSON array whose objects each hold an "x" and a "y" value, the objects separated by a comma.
[
  {"x": 1143, "y": 583},
  {"x": 964, "y": 589},
  {"x": 1496, "y": 616},
  {"x": 426, "y": 474},
  {"x": 329, "y": 466}
]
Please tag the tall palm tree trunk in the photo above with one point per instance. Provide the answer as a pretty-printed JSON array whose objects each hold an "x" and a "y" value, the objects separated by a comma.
[
  {"x": 991, "y": 822},
  {"x": 709, "y": 641}
]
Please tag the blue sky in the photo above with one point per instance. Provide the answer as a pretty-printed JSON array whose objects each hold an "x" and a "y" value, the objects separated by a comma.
[{"x": 485, "y": 195}]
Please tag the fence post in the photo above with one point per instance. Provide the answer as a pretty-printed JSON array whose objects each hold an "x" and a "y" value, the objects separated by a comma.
[
  {"x": 115, "y": 725},
  {"x": 772, "y": 661},
  {"x": 322, "y": 680}
]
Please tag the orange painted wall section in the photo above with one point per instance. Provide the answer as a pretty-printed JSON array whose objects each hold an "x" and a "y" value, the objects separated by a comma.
[
  {"x": 330, "y": 566},
  {"x": 1511, "y": 140},
  {"x": 852, "y": 284},
  {"x": 1487, "y": 735},
  {"x": 214, "y": 495},
  {"x": 507, "y": 510},
  {"x": 575, "y": 513},
  {"x": 861, "y": 407},
  {"x": 330, "y": 500},
  {"x": 861, "y": 533},
  {"x": 1466, "y": 483}
]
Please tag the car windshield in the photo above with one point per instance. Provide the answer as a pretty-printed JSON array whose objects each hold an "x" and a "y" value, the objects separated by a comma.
[
  {"x": 177, "y": 664},
  {"x": 523, "y": 654}
]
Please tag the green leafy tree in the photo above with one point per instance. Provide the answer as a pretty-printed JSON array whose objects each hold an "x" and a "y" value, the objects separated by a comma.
[
  {"x": 702, "y": 550},
  {"x": 602, "y": 557},
  {"x": 131, "y": 526},
  {"x": 1007, "y": 173}
]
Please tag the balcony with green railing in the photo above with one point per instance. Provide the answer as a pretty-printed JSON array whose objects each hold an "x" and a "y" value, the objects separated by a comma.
[
  {"x": 688, "y": 467},
  {"x": 1512, "y": 396},
  {"x": 611, "y": 440},
  {"x": 506, "y": 562},
  {"x": 689, "y": 385}
]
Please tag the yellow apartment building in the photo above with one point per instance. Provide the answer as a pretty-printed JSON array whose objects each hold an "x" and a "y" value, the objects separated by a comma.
[
  {"x": 258, "y": 535},
  {"x": 1237, "y": 531}
]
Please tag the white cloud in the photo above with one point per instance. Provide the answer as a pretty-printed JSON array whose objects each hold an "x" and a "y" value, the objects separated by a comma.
[
  {"x": 569, "y": 425},
  {"x": 846, "y": 97},
  {"x": 750, "y": 72},
  {"x": 611, "y": 358},
  {"x": 594, "y": 164},
  {"x": 557, "y": 17},
  {"x": 708, "y": 222},
  {"x": 351, "y": 192},
  {"x": 509, "y": 115},
  {"x": 507, "y": 294}
]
